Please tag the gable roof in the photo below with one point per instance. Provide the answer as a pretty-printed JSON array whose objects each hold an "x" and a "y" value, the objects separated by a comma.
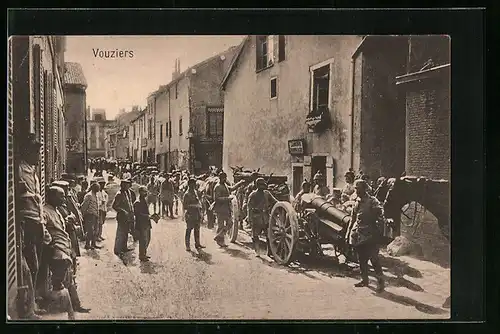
[
  {"x": 234, "y": 61},
  {"x": 73, "y": 74},
  {"x": 229, "y": 54}
]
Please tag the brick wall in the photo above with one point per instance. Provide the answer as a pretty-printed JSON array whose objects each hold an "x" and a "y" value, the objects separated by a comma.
[{"x": 428, "y": 129}]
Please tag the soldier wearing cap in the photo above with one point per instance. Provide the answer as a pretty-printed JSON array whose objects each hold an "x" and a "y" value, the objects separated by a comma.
[
  {"x": 90, "y": 211},
  {"x": 320, "y": 189},
  {"x": 167, "y": 196},
  {"x": 192, "y": 215},
  {"x": 60, "y": 257},
  {"x": 305, "y": 189},
  {"x": 260, "y": 202},
  {"x": 30, "y": 219},
  {"x": 348, "y": 190},
  {"x": 364, "y": 232},
  {"x": 123, "y": 205}
]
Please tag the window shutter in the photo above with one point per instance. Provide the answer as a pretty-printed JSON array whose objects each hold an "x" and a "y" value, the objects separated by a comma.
[
  {"x": 275, "y": 55},
  {"x": 11, "y": 225},
  {"x": 258, "y": 50},
  {"x": 48, "y": 124},
  {"x": 39, "y": 112},
  {"x": 281, "y": 48}
]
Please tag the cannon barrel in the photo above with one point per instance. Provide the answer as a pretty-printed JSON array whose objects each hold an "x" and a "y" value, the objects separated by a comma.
[{"x": 327, "y": 210}]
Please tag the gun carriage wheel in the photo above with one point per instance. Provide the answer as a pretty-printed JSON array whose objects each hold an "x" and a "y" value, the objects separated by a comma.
[{"x": 283, "y": 232}]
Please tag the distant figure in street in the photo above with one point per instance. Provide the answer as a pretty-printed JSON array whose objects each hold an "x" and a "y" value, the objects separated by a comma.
[
  {"x": 103, "y": 208},
  {"x": 222, "y": 208},
  {"x": 167, "y": 197},
  {"x": 142, "y": 223},
  {"x": 83, "y": 191},
  {"x": 123, "y": 205},
  {"x": 259, "y": 202},
  {"x": 363, "y": 233},
  {"x": 153, "y": 192},
  {"x": 91, "y": 211},
  {"x": 192, "y": 215}
]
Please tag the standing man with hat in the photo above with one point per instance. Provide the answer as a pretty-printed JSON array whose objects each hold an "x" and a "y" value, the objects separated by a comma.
[
  {"x": 142, "y": 223},
  {"x": 320, "y": 189},
  {"x": 30, "y": 220},
  {"x": 192, "y": 215},
  {"x": 222, "y": 207},
  {"x": 363, "y": 233},
  {"x": 90, "y": 210},
  {"x": 123, "y": 205}
]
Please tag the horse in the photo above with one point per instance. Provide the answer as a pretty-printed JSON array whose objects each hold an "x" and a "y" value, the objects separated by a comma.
[{"x": 395, "y": 193}]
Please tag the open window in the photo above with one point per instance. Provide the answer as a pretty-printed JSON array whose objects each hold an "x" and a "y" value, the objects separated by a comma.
[
  {"x": 269, "y": 50},
  {"x": 320, "y": 89}
]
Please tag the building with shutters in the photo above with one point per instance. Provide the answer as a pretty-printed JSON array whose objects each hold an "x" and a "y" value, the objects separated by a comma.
[
  {"x": 137, "y": 137},
  {"x": 295, "y": 105},
  {"x": 35, "y": 104},
  {"x": 118, "y": 138},
  {"x": 75, "y": 86},
  {"x": 189, "y": 115}
]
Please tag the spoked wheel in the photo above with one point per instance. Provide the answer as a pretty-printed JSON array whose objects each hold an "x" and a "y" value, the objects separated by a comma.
[
  {"x": 232, "y": 232},
  {"x": 283, "y": 232}
]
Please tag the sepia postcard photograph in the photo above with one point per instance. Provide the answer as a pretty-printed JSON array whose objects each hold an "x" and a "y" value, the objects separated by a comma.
[{"x": 228, "y": 177}]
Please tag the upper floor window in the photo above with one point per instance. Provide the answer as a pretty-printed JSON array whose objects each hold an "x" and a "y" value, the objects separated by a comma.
[
  {"x": 269, "y": 50},
  {"x": 176, "y": 90},
  {"x": 320, "y": 85},
  {"x": 134, "y": 132},
  {"x": 180, "y": 126},
  {"x": 169, "y": 129},
  {"x": 150, "y": 128},
  {"x": 161, "y": 133},
  {"x": 215, "y": 124}
]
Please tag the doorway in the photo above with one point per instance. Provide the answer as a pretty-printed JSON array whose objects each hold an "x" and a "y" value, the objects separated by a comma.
[
  {"x": 298, "y": 177},
  {"x": 318, "y": 164}
]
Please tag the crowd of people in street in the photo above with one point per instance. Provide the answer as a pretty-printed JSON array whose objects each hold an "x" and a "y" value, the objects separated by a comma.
[{"x": 76, "y": 209}]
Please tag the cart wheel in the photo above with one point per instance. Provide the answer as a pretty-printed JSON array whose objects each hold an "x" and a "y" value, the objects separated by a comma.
[
  {"x": 283, "y": 232},
  {"x": 232, "y": 233}
]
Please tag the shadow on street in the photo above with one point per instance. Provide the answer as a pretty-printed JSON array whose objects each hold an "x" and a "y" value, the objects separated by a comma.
[
  {"x": 202, "y": 256},
  {"x": 236, "y": 253},
  {"x": 149, "y": 267},
  {"x": 409, "y": 302}
]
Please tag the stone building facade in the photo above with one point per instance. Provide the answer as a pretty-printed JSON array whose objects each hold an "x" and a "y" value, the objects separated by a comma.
[
  {"x": 75, "y": 86},
  {"x": 287, "y": 106},
  {"x": 137, "y": 138},
  {"x": 35, "y": 103},
  {"x": 97, "y": 127},
  {"x": 189, "y": 115}
]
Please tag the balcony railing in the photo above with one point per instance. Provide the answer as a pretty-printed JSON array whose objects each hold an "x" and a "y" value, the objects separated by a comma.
[{"x": 318, "y": 119}]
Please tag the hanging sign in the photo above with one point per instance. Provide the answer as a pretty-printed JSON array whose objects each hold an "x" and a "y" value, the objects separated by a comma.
[{"x": 296, "y": 147}]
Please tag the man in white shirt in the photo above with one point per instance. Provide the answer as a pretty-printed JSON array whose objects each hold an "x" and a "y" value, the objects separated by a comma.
[{"x": 102, "y": 196}]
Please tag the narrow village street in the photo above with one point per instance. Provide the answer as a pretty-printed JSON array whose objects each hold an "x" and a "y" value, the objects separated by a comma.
[{"x": 233, "y": 283}]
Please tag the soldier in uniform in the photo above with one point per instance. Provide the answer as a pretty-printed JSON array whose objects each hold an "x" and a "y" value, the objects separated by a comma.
[
  {"x": 259, "y": 202},
  {"x": 320, "y": 189},
  {"x": 223, "y": 207},
  {"x": 102, "y": 196},
  {"x": 167, "y": 197},
  {"x": 32, "y": 226},
  {"x": 153, "y": 191},
  {"x": 348, "y": 190},
  {"x": 364, "y": 232},
  {"x": 123, "y": 205},
  {"x": 60, "y": 259},
  {"x": 192, "y": 215},
  {"x": 248, "y": 190},
  {"x": 305, "y": 189}
]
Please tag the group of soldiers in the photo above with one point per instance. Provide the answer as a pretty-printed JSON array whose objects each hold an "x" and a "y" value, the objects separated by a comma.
[
  {"x": 367, "y": 215},
  {"x": 50, "y": 236}
]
